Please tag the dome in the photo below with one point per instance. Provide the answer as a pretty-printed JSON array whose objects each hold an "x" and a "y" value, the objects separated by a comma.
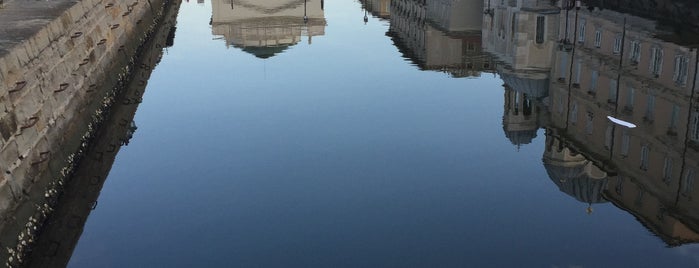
[
  {"x": 576, "y": 181},
  {"x": 264, "y": 52}
]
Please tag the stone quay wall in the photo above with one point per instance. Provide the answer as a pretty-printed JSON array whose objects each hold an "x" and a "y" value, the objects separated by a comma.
[{"x": 55, "y": 88}]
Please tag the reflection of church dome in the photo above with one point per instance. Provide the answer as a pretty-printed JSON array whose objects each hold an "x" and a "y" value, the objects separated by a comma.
[
  {"x": 520, "y": 137},
  {"x": 264, "y": 52},
  {"x": 537, "y": 88},
  {"x": 578, "y": 182}
]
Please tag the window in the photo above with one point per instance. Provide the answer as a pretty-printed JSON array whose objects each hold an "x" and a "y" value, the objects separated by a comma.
[
  {"x": 613, "y": 84},
  {"x": 598, "y": 38},
  {"x": 625, "y": 141},
  {"x": 656, "y": 61},
  {"x": 680, "y": 73},
  {"x": 635, "y": 51},
  {"x": 581, "y": 31},
  {"x": 617, "y": 44},
  {"x": 574, "y": 113},
  {"x": 650, "y": 108},
  {"x": 667, "y": 170},
  {"x": 688, "y": 183},
  {"x": 540, "y": 29},
  {"x": 645, "y": 151}
]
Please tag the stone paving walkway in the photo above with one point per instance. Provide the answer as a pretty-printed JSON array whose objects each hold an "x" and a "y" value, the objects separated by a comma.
[{"x": 22, "y": 19}]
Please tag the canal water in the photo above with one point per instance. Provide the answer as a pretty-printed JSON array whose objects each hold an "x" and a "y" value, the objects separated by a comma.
[{"x": 428, "y": 134}]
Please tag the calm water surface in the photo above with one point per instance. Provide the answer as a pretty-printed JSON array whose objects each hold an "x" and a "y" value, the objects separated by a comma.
[{"x": 420, "y": 138}]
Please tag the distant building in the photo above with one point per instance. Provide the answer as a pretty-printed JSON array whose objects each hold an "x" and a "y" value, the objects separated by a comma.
[
  {"x": 440, "y": 35},
  {"x": 265, "y": 28},
  {"x": 378, "y": 8}
]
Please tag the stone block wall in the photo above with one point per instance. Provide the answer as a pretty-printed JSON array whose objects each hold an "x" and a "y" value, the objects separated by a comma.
[{"x": 52, "y": 86}]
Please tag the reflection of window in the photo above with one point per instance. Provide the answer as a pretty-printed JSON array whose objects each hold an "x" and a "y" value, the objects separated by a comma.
[
  {"x": 674, "y": 116},
  {"x": 694, "y": 128},
  {"x": 639, "y": 198},
  {"x": 635, "y": 51},
  {"x": 667, "y": 170},
  {"x": 645, "y": 151},
  {"x": 589, "y": 124},
  {"x": 540, "y": 24},
  {"x": 608, "y": 136},
  {"x": 688, "y": 182},
  {"x": 625, "y": 141},
  {"x": 661, "y": 213},
  {"x": 593, "y": 80},
  {"x": 581, "y": 31},
  {"x": 578, "y": 71},
  {"x": 559, "y": 106},
  {"x": 656, "y": 60},
  {"x": 563, "y": 68},
  {"x": 680, "y": 73},
  {"x": 617, "y": 44},
  {"x": 619, "y": 186},
  {"x": 629, "y": 99},
  {"x": 574, "y": 113},
  {"x": 612, "y": 90},
  {"x": 650, "y": 107},
  {"x": 598, "y": 38}
]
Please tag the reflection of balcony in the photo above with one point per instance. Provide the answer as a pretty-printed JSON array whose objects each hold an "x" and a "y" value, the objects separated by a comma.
[
  {"x": 627, "y": 110},
  {"x": 672, "y": 131},
  {"x": 648, "y": 119},
  {"x": 565, "y": 45}
]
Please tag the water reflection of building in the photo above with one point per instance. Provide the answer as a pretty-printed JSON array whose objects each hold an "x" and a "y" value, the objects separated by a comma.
[
  {"x": 378, "y": 8},
  {"x": 521, "y": 35},
  {"x": 440, "y": 35},
  {"x": 265, "y": 28},
  {"x": 614, "y": 64}
]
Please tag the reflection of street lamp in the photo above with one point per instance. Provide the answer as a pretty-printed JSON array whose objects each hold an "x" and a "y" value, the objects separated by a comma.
[
  {"x": 489, "y": 11},
  {"x": 366, "y": 17},
  {"x": 305, "y": 18}
]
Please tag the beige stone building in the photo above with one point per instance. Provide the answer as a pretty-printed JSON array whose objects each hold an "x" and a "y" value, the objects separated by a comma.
[
  {"x": 613, "y": 64},
  {"x": 267, "y": 27}
]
